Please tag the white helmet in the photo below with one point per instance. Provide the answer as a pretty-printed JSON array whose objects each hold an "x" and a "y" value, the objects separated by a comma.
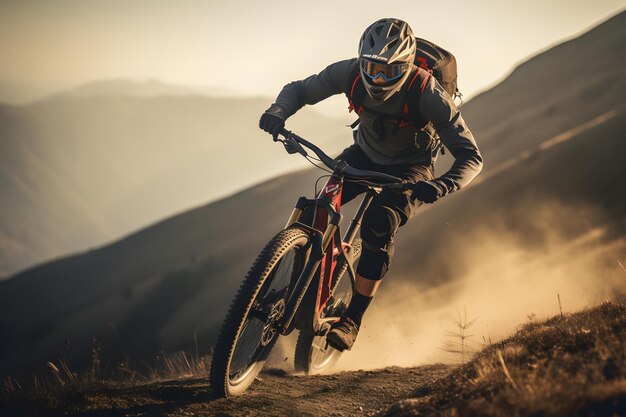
[{"x": 387, "y": 49}]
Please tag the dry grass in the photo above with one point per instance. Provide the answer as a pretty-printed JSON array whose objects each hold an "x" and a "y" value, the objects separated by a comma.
[
  {"x": 63, "y": 389},
  {"x": 569, "y": 365}
]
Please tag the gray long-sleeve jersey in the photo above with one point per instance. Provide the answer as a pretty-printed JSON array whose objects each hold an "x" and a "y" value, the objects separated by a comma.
[{"x": 401, "y": 144}]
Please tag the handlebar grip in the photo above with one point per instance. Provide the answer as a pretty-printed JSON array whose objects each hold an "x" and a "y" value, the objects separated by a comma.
[{"x": 286, "y": 133}]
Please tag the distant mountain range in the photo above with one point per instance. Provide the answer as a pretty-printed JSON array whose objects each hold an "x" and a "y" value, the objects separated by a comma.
[
  {"x": 552, "y": 136},
  {"x": 139, "y": 89},
  {"x": 87, "y": 166},
  {"x": 127, "y": 88},
  {"x": 23, "y": 94}
]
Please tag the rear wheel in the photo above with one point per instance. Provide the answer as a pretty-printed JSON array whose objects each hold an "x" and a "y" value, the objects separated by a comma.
[
  {"x": 313, "y": 355},
  {"x": 250, "y": 329}
]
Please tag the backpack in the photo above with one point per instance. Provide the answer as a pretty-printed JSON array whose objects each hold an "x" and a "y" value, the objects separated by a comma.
[
  {"x": 430, "y": 60},
  {"x": 441, "y": 63}
]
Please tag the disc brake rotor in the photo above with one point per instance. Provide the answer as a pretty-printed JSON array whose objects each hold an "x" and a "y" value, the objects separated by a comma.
[{"x": 269, "y": 330}]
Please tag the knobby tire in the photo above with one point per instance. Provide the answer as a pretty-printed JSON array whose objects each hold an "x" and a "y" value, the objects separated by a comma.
[{"x": 255, "y": 285}]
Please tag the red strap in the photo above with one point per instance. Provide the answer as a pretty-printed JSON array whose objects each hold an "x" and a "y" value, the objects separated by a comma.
[
  {"x": 406, "y": 106},
  {"x": 425, "y": 82},
  {"x": 352, "y": 94},
  {"x": 414, "y": 77}
]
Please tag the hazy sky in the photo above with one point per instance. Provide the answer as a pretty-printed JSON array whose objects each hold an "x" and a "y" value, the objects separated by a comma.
[{"x": 255, "y": 47}]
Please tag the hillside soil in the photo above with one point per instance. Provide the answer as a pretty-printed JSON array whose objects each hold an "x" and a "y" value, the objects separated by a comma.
[
  {"x": 570, "y": 365},
  {"x": 275, "y": 394}
]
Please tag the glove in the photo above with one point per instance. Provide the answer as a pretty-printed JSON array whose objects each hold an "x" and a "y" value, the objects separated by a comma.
[
  {"x": 272, "y": 121},
  {"x": 427, "y": 191}
]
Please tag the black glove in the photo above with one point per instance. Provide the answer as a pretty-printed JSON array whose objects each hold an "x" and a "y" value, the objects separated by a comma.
[
  {"x": 272, "y": 121},
  {"x": 427, "y": 191}
]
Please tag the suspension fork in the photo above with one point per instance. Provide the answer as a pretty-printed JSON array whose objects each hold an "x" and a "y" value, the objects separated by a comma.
[
  {"x": 320, "y": 245},
  {"x": 297, "y": 210}
]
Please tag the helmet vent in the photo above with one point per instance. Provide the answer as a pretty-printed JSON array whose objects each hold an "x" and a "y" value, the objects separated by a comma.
[
  {"x": 378, "y": 29},
  {"x": 372, "y": 41}
]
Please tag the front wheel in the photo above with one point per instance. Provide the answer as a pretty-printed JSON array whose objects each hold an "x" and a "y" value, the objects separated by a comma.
[
  {"x": 250, "y": 329},
  {"x": 313, "y": 355}
]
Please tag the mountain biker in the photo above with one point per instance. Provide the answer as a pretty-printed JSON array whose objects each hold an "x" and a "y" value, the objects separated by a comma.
[{"x": 386, "y": 142}]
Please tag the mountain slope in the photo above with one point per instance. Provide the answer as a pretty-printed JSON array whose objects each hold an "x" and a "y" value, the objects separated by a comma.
[
  {"x": 79, "y": 170},
  {"x": 565, "y": 86}
]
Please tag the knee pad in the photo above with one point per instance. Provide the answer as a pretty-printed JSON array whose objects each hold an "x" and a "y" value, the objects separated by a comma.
[{"x": 380, "y": 225}]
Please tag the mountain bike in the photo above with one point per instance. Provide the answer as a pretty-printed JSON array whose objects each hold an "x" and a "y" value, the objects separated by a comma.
[{"x": 302, "y": 279}]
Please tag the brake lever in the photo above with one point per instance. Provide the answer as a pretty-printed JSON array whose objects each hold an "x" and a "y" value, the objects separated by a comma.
[{"x": 292, "y": 146}]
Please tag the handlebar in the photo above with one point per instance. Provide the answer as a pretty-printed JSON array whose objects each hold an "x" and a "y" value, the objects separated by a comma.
[{"x": 295, "y": 144}]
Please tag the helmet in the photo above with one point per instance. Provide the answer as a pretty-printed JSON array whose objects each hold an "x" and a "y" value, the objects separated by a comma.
[{"x": 387, "y": 49}]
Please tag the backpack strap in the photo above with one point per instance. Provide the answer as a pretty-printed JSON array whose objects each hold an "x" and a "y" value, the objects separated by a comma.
[
  {"x": 411, "y": 105},
  {"x": 355, "y": 91},
  {"x": 411, "y": 109}
]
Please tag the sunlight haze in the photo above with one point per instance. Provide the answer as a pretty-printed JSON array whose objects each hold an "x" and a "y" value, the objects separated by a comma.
[{"x": 254, "y": 48}]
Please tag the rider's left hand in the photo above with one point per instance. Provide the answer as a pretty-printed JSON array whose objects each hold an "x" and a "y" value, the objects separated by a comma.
[
  {"x": 273, "y": 120},
  {"x": 271, "y": 124},
  {"x": 427, "y": 191}
]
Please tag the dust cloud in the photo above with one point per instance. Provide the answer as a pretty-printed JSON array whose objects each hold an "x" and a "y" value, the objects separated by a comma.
[{"x": 504, "y": 283}]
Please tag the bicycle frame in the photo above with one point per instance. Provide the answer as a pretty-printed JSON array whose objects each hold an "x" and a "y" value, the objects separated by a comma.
[{"x": 326, "y": 247}]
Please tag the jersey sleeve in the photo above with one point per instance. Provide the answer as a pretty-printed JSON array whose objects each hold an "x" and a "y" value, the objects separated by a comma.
[
  {"x": 436, "y": 106},
  {"x": 330, "y": 81}
]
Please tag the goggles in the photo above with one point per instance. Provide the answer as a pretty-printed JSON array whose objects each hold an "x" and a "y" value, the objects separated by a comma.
[{"x": 389, "y": 72}]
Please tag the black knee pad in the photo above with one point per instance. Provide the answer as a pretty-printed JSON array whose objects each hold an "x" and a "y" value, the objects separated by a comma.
[{"x": 380, "y": 225}]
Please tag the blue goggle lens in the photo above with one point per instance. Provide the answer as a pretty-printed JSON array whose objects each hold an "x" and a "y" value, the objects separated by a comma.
[{"x": 389, "y": 72}]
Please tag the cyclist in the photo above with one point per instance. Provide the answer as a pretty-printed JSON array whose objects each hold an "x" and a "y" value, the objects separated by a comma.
[{"x": 387, "y": 142}]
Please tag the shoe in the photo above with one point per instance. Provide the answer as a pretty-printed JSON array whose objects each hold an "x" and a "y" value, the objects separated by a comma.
[{"x": 342, "y": 334}]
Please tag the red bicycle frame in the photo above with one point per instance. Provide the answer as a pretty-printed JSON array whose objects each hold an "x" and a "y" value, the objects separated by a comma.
[
  {"x": 326, "y": 248},
  {"x": 332, "y": 192}
]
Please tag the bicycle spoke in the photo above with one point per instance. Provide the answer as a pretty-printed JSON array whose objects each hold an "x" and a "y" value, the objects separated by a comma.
[
  {"x": 321, "y": 353},
  {"x": 259, "y": 329},
  {"x": 247, "y": 346}
]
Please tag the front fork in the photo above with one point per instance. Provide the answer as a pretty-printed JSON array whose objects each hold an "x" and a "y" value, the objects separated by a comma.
[{"x": 317, "y": 251}]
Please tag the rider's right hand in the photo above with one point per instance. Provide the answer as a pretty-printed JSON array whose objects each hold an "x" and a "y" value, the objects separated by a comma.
[
  {"x": 271, "y": 122},
  {"x": 427, "y": 191}
]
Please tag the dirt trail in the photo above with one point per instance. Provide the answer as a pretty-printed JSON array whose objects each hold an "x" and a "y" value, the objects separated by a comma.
[{"x": 275, "y": 394}]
